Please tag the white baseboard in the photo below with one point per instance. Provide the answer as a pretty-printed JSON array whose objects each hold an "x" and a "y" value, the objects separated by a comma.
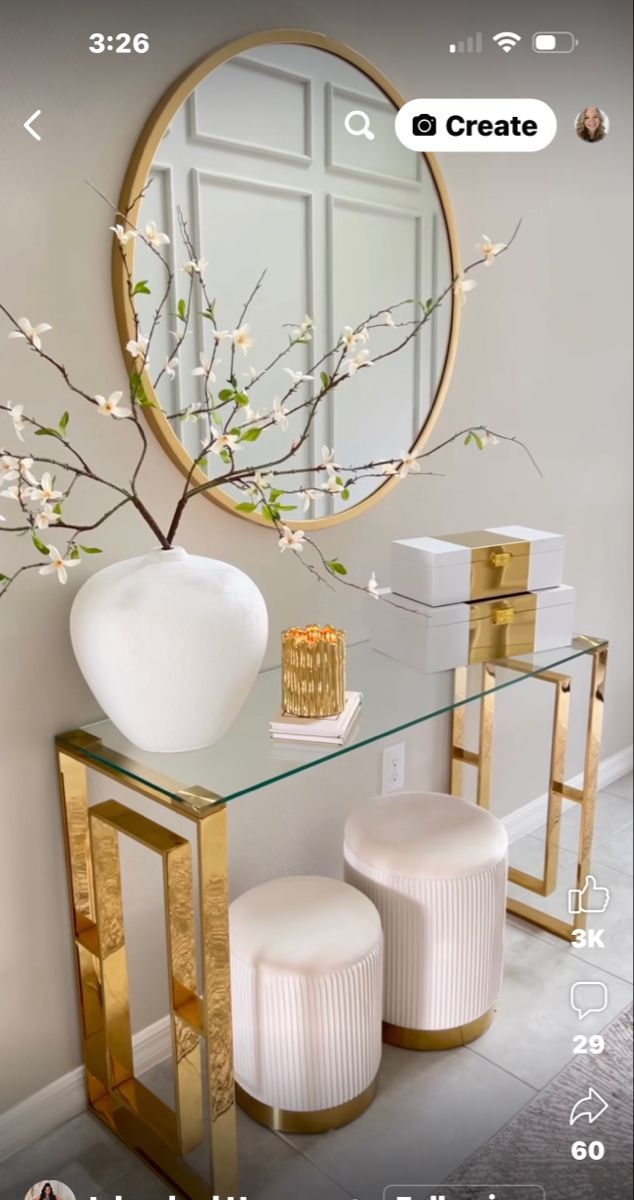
[
  {"x": 532, "y": 816},
  {"x": 65, "y": 1098}
]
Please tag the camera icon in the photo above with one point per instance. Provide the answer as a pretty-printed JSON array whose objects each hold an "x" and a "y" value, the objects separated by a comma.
[{"x": 424, "y": 125}]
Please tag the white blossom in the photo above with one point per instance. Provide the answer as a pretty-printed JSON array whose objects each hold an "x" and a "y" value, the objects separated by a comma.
[
  {"x": 44, "y": 490},
  {"x": 388, "y": 319},
  {"x": 205, "y": 368},
  {"x": 409, "y": 464},
  {"x": 390, "y": 468},
  {"x": 154, "y": 236},
  {"x": 109, "y": 406},
  {"x": 297, "y": 376},
  {"x": 242, "y": 339},
  {"x": 46, "y": 516},
  {"x": 170, "y": 366},
  {"x": 58, "y": 564},
  {"x": 362, "y": 359},
  {"x": 351, "y": 337},
  {"x": 16, "y": 468},
  {"x": 225, "y": 441},
  {"x": 280, "y": 413},
  {"x": 31, "y": 333},
  {"x": 304, "y": 330},
  {"x": 138, "y": 347},
  {"x": 195, "y": 266},
  {"x": 328, "y": 460},
  {"x": 462, "y": 286},
  {"x": 332, "y": 486},
  {"x": 259, "y": 482},
  {"x": 291, "y": 540},
  {"x": 373, "y": 586},
  {"x": 19, "y": 423},
  {"x": 123, "y": 235},
  {"x": 220, "y": 335},
  {"x": 308, "y": 495},
  {"x": 488, "y": 250}
]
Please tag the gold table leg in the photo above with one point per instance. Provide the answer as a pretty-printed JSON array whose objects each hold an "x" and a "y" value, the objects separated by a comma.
[
  {"x": 161, "y": 1136},
  {"x": 558, "y": 789}
]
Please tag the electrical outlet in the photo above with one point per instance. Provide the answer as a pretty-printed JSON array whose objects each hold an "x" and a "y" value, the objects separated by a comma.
[{"x": 394, "y": 768}]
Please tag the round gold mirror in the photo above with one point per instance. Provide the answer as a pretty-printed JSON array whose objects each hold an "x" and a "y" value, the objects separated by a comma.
[{"x": 275, "y": 159}]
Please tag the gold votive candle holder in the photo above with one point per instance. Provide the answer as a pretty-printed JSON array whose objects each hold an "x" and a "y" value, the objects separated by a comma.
[{"x": 313, "y": 671}]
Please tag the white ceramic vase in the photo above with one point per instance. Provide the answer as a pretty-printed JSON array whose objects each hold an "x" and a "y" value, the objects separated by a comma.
[{"x": 170, "y": 645}]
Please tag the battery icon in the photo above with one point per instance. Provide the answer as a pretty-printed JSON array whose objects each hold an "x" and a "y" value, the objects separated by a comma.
[{"x": 554, "y": 43}]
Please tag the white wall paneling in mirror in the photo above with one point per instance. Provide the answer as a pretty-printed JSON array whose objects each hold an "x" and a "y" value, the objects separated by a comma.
[{"x": 258, "y": 162}]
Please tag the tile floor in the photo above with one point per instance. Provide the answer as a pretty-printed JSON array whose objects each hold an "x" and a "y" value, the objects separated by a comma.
[{"x": 433, "y": 1110}]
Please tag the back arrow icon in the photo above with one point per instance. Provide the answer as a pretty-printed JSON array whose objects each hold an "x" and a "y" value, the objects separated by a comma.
[{"x": 28, "y": 124}]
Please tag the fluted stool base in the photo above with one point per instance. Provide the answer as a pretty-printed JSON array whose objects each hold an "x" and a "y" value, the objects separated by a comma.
[
  {"x": 285, "y": 1121},
  {"x": 437, "y": 1039}
]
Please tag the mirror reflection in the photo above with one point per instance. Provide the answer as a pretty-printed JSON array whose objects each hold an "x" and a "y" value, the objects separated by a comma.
[{"x": 283, "y": 170}]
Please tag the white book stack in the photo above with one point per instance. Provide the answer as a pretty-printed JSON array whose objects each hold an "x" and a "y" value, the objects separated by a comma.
[{"x": 329, "y": 731}]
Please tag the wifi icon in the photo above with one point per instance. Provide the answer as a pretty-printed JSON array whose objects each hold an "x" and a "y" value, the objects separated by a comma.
[{"x": 506, "y": 41}]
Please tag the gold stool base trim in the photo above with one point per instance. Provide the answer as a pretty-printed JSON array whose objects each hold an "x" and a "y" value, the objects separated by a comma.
[
  {"x": 286, "y": 1121},
  {"x": 437, "y": 1039}
]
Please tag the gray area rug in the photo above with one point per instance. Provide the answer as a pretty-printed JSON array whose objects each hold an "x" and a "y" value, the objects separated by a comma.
[{"x": 535, "y": 1147}]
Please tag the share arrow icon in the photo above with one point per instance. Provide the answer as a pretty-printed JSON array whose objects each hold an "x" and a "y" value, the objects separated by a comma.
[
  {"x": 591, "y": 1106},
  {"x": 28, "y": 124}
]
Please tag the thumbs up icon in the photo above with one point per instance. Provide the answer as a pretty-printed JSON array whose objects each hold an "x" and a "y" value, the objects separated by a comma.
[{"x": 590, "y": 898}]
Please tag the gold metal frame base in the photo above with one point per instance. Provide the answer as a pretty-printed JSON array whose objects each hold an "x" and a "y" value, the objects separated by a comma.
[
  {"x": 437, "y": 1039},
  {"x": 283, "y": 1120}
]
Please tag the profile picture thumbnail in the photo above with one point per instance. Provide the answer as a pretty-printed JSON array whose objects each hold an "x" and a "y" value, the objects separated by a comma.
[
  {"x": 49, "y": 1189},
  {"x": 592, "y": 124}
]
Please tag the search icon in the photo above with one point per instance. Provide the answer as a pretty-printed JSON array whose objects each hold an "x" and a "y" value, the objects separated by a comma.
[{"x": 364, "y": 129}]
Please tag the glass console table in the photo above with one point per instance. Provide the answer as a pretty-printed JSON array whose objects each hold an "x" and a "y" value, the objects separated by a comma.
[{"x": 198, "y": 786}]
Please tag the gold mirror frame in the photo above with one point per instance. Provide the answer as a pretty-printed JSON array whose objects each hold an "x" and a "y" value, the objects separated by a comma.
[{"x": 135, "y": 179}]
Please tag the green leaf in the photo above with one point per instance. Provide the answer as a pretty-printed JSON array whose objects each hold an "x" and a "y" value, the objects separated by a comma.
[
  {"x": 139, "y": 395},
  {"x": 242, "y": 399},
  {"x": 74, "y": 553},
  {"x": 39, "y": 545},
  {"x": 479, "y": 441},
  {"x": 336, "y": 566},
  {"x": 3, "y": 578},
  {"x": 245, "y": 507},
  {"x": 141, "y": 288},
  {"x": 250, "y": 435},
  {"x": 48, "y": 433},
  {"x": 226, "y": 394},
  {"x": 63, "y": 425},
  {"x": 270, "y": 514},
  {"x": 275, "y": 494},
  {"x": 226, "y": 457},
  {"x": 325, "y": 379},
  {"x": 58, "y": 509},
  {"x": 203, "y": 463},
  {"x": 91, "y": 550},
  {"x": 345, "y": 495},
  {"x": 286, "y": 507},
  {"x": 216, "y": 418},
  {"x": 468, "y": 440},
  {"x": 209, "y": 314}
]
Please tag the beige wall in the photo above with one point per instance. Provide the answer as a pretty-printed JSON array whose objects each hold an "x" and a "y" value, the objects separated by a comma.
[{"x": 543, "y": 355}]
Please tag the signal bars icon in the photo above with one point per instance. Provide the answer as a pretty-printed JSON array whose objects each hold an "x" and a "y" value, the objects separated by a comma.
[
  {"x": 506, "y": 41},
  {"x": 472, "y": 44}
]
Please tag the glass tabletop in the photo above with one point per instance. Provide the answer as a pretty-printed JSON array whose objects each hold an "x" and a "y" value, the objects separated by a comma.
[{"x": 395, "y": 697}]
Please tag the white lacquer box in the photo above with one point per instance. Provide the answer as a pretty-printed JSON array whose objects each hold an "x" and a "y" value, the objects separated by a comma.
[
  {"x": 432, "y": 638},
  {"x": 459, "y": 567}
]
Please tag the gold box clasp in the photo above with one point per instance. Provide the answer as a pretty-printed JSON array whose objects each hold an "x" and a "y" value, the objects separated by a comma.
[
  {"x": 499, "y": 558},
  {"x": 503, "y": 614}
]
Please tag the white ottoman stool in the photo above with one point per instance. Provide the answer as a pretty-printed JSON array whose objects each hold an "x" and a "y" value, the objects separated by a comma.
[
  {"x": 307, "y": 986},
  {"x": 435, "y": 866}
]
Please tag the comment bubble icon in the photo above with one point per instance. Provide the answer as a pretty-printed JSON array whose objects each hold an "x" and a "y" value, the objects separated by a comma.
[{"x": 588, "y": 996}]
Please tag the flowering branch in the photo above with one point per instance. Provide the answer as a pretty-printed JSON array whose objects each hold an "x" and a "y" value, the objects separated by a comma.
[{"x": 227, "y": 417}]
